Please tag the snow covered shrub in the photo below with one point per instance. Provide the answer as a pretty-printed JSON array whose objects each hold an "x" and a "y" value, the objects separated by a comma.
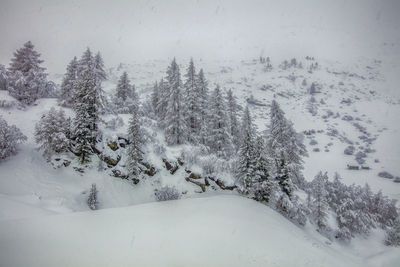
[
  {"x": 190, "y": 155},
  {"x": 393, "y": 235},
  {"x": 8, "y": 104},
  {"x": 167, "y": 193},
  {"x": 92, "y": 199},
  {"x": 10, "y": 137},
  {"x": 52, "y": 132},
  {"x": 209, "y": 165}
]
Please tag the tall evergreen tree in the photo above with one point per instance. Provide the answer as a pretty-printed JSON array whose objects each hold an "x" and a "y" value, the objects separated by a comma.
[
  {"x": 155, "y": 98},
  {"x": 232, "y": 116},
  {"x": 283, "y": 139},
  {"x": 66, "y": 98},
  {"x": 247, "y": 161},
  {"x": 27, "y": 79},
  {"x": 283, "y": 177},
  {"x": 162, "y": 103},
  {"x": 219, "y": 139},
  {"x": 285, "y": 145},
  {"x": 85, "y": 128},
  {"x": 264, "y": 185},
  {"x": 123, "y": 87},
  {"x": 319, "y": 205},
  {"x": 135, "y": 152},
  {"x": 202, "y": 87},
  {"x": 192, "y": 108},
  {"x": 175, "y": 131}
]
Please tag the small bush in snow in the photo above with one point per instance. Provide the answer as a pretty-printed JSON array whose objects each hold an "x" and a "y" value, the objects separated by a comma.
[
  {"x": 52, "y": 132},
  {"x": 92, "y": 199},
  {"x": 209, "y": 164},
  {"x": 167, "y": 193},
  {"x": 10, "y": 137},
  {"x": 393, "y": 235},
  {"x": 190, "y": 155}
]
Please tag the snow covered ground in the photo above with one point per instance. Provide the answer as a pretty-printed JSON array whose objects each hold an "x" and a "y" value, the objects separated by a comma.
[
  {"x": 207, "y": 228},
  {"x": 212, "y": 231}
]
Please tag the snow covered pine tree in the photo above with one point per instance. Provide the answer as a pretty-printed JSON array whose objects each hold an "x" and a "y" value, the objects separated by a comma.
[
  {"x": 10, "y": 137},
  {"x": 26, "y": 78}
]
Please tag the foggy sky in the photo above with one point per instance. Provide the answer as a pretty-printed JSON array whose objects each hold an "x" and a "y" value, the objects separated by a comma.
[{"x": 125, "y": 31}]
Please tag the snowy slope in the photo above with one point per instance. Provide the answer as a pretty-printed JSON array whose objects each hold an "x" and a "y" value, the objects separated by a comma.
[{"x": 216, "y": 231}]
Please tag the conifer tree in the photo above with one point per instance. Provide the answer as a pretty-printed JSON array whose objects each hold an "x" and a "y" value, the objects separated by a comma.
[
  {"x": 191, "y": 102},
  {"x": 319, "y": 205},
  {"x": 51, "y": 133},
  {"x": 285, "y": 145},
  {"x": 123, "y": 87},
  {"x": 135, "y": 153},
  {"x": 66, "y": 98},
  {"x": 85, "y": 129},
  {"x": 232, "y": 116},
  {"x": 10, "y": 137},
  {"x": 27, "y": 79},
  {"x": 247, "y": 161},
  {"x": 283, "y": 177},
  {"x": 155, "y": 98},
  {"x": 3, "y": 78},
  {"x": 162, "y": 103},
  {"x": 175, "y": 130},
  {"x": 264, "y": 185},
  {"x": 202, "y": 87},
  {"x": 219, "y": 139},
  {"x": 92, "y": 199}
]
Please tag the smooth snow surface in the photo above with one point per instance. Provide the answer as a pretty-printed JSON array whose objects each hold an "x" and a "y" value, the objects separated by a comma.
[{"x": 214, "y": 231}]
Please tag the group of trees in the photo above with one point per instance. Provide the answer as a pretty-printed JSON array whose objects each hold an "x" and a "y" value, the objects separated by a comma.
[
  {"x": 356, "y": 209},
  {"x": 188, "y": 113},
  {"x": 269, "y": 167},
  {"x": 81, "y": 90},
  {"x": 25, "y": 79}
]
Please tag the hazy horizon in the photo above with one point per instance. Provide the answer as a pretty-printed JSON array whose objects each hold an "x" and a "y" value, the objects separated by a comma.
[{"x": 126, "y": 31}]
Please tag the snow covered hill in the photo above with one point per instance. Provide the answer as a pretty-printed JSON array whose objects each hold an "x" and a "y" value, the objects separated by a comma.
[
  {"x": 213, "y": 231},
  {"x": 353, "y": 106}
]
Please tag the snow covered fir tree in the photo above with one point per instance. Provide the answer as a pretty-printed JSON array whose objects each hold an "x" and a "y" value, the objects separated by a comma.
[{"x": 187, "y": 142}]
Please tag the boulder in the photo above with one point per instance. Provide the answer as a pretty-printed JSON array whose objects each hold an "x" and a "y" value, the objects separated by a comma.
[
  {"x": 113, "y": 145},
  {"x": 386, "y": 175}
]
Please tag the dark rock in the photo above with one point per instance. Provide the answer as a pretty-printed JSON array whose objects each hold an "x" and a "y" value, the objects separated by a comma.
[
  {"x": 313, "y": 142},
  {"x": 202, "y": 186},
  {"x": 117, "y": 173},
  {"x": 396, "y": 180},
  {"x": 167, "y": 164},
  {"x": 110, "y": 161},
  {"x": 66, "y": 163},
  {"x": 316, "y": 149},
  {"x": 347, "y": 118},
  {"x": 180, "y": 162},
  {"x": 385, "y": 174},
  {"x": 352, "y": 167},
  {"x": 135, "y": 180},
  {"x": 113, "y": 146},
  {"x": 174, "y": 169},
  {"x": 194, "y": 176},
  {"x": 360, "y": 160}
]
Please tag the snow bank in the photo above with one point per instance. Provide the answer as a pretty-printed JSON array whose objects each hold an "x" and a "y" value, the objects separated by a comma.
[{"x": 214, "y": 231}]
